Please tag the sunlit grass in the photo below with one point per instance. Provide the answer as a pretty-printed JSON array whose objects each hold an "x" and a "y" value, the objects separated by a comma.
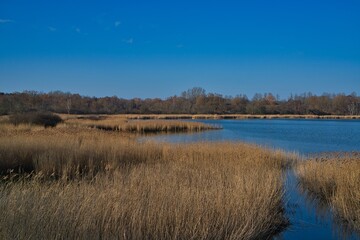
[
  {"x": 236, "y": 116},
  {"x": 77, "y": 183},
  {"x": 335, "y": 180},
  {"x": 121, "y": 123}
]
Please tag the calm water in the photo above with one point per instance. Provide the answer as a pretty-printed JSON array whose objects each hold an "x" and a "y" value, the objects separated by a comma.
[
  {"x": 303, "y": 136},
  {"x": 309, "y": 219}
]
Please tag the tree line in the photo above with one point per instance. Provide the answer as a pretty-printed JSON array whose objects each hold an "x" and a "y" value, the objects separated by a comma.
[{"x": 192, "y": 101}]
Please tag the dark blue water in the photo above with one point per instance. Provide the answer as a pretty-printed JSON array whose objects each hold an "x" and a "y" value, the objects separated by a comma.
[
  {"x": 309, "y": 219},
  {"x": 302, "y": 136}
]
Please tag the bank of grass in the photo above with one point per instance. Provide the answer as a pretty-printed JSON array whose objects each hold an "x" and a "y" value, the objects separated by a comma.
[
  {"x": 121, "y": 123},
  {"x": 93, "y": 185},
  {"x": 335, "y": 180},
  {"x": 237, "y": 116}
]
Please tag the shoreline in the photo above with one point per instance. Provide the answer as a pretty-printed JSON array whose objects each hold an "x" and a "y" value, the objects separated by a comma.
[
  {"x": 237, "y": 116},
  {"x": 214, "y": 116}
]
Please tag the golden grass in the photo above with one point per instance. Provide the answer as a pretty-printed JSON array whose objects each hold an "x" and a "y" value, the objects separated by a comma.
[
  {"x": 93, "y": 185},
  {"x": 335, "y": 180},
  {"x": 236, "y": 116},
  {"x": 213, "y": 116},
  {"x": 7, "y": 129},
  {"x": 121, "y": 123}
]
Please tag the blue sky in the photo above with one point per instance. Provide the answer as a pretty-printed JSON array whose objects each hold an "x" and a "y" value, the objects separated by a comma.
[{"x": 160, "y": 48}]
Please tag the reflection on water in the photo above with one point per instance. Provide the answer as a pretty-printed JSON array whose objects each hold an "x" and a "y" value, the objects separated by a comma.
[
  {"x": 310, "y": 218},
  {"x": 324, "y": 212}
]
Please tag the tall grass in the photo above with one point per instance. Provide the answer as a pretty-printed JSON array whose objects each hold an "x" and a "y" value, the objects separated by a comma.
[
  {"x": 336, "y": 181},
  {"x": 122, "y": 124},
  {"x": 106, "y": 186},
  {"x": 65, "y": 155}
]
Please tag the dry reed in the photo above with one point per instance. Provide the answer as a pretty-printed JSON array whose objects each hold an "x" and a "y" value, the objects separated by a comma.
[
  {"x": 336, "y": 181},
  {"x": 112, "y": 187},
  {"x": 236, "y": 116},
  {"x": 209, "y": 116},
  {"x": 122, "y": 124}
]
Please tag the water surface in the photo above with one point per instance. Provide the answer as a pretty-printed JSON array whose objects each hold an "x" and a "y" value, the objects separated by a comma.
[{"x": 302, "y": 136}]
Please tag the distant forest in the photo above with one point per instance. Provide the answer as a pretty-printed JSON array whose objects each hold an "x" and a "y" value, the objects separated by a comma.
[{"x": 192, "y": 101}]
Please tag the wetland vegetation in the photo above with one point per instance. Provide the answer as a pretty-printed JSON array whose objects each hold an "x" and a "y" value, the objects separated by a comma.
[
  {"x": 72, "y": 181},
  {"x": 335, "y": 181},
  {"x": 77, "y": 180}
]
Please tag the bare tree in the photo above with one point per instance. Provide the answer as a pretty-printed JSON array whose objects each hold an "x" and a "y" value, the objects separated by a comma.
[
  {"x": 68, "y": 105},
  {"x": 354, "y": 108}
]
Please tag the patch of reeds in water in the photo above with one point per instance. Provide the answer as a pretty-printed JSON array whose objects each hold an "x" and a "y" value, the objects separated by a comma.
[
  {"x": 237, "y": 116},
  {"x": 335, "y": 180},
  {"x": 122, "y": 124},
  {"x": 96, "y": 185},
  {"x": 209, "y": 116}
]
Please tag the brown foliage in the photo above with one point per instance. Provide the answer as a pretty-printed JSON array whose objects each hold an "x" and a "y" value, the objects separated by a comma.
[{"x": 193, "y": 101}]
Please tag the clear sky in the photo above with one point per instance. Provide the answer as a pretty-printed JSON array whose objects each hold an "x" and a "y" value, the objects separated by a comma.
[{"x": 160, "y": 48}]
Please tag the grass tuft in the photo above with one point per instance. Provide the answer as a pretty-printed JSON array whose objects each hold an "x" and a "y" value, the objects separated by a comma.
[{"x": 335, "y": 180}]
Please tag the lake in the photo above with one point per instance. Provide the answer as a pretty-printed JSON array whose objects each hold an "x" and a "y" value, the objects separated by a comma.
[
  {"x": 302, "y": 136},
  {"x": 305, "y": 137}
]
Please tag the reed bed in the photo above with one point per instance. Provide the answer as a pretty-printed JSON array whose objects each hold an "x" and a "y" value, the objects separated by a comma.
[
  {"x": 93, "y": 185},
  {"x": 237, "y": 116},
  {"x": 122, "y": 124},
  {"x": 7, "y": 129},
  {"x": 336, "y": 181},
  {"x": 208, "y": 116}
]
